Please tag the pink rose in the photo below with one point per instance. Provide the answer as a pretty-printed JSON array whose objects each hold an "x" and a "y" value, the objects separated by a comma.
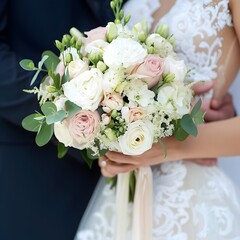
[
  {"x": 150, "y": 70},
  {"x": 83, "y": 127},
  {"x": 112, "y": 101},
  {"x": 98, "y": 33},
  {"x": 134, "y": 114}
]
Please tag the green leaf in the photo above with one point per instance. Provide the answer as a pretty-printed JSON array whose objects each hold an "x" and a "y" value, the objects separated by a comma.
[
  {"x": 44, "y": 134},
  {"x": 71, "y": 108},
  {"x": 132, "y": 186},
  {"x": 196, "y": 107},
  {"x": 88, "y": 160},
  {"x": 52, "y": 60},
  {"x": 198, "y": 118},
  {"x": 180, "y": 134},
  {"x": 56, "y": 80},
  {"x": 62, "y": 150},
  {"x": 30, "y": 123},
  {"x": 65, "y": 77},
  {"x": 56, "y": 117},
  {"x": 188, "y": 125},
  {"x": 48, "y": 108},
  {"x": 27, "y": 64},
  {"x": 91, "y": 154}
]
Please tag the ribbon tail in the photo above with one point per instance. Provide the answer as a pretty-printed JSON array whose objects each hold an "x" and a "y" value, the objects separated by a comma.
[
  {"x": 142, "y": 209},
  {"x": 122, "y": 197}
]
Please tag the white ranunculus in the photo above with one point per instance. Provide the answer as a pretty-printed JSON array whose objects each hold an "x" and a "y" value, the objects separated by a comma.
[
  {"x": 73, "y": 51},
  {"x": 177, "y": 67},
  {"x": 85, "y": 90},
  {"x": 111, "y": 79},
  {"x": 124, "y": 52},
  {"x": 161, "y": 45},
  {"x": 76, "y": 67},
  {"x": 97, "y": 46},
  {"x": 137, "y": 139},
  {"x": 175, "y": 99}
]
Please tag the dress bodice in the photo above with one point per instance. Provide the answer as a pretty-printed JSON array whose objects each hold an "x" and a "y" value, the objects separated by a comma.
[{"x": 198, "y": 27}]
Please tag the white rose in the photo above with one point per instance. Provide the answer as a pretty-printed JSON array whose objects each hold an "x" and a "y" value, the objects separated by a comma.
[
  {"x": 124, "y": 52},
  {"x": 76, "y": 67},
  {"x": 177, "y": 67},
  {"x": 137, "y": 139},
  {"x": 73, "y": 51},
  {"x": 96, "y": 46},
  {"x": 111, "y": 79},
  {"x": 85, "y": 90},
  {"x": 161, "y": 45},
  {"x": 175, "y": 98}
]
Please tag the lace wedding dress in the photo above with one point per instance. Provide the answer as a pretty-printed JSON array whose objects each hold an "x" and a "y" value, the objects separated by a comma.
[{"x": 191, "y": 202}]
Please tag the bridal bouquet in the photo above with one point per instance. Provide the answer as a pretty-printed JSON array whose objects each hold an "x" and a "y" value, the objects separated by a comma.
[{"x": 112, "y": 88}]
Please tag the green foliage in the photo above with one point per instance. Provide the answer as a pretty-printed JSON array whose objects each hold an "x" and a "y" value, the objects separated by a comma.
[
  {"x": 71, "y": 108},
  {"x": 30, "y": 123},
  {"x": 189, "y": 122},
  {"x": 27, "y": 64},
  {"x": 62, "y": 150},
  {"x": 52, "y": 60},
  {"x": 44, "y": 134}
]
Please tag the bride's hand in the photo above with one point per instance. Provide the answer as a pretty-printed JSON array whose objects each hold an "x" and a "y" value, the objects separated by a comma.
[{"x": 113, "y": 163}]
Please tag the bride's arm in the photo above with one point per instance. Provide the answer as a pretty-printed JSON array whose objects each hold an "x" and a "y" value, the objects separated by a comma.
[{"x": 215, "y": 139}]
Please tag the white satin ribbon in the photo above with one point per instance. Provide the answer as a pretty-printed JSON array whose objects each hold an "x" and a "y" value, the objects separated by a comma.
[
  {"x": 142, "y": 208},
  {"x": 122, "y": 196}
]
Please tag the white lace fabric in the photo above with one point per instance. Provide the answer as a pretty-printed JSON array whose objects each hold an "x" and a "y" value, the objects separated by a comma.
[{"x": 191, "y": 202}]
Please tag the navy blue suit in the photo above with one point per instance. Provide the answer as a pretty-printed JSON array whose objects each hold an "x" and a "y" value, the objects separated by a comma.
[{"x": 41, "y": 197}]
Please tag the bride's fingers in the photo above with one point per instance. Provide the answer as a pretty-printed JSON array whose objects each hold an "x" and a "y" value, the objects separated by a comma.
[
  {"x": 121, "y": 158},
  {"x": 111, "y": 169}
]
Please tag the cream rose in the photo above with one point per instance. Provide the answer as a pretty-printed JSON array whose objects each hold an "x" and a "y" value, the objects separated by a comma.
[
  {"x": 135, "y": 114},
  {"x": 137, "y": 139},
  {"x": 150, "y": 70},
  {"x": 112, "y": 101},
  {"x": 124, "y": 52},
  {"x": 177, "y": 67},
  {"x": 76, "y": 67},
  {"x": 85, "y": 90}
]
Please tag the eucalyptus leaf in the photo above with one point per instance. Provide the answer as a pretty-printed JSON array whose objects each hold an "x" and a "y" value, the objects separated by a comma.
[
  {"x": 196, "y": 107},
  {"x": 188, "y": 125},
  {"x": 30, "y": 123},
  {"x": 65, "y": 77},
  {"x": 27, "y": 64},
  {"x": 56, "y": 117},
  {"x": 52, "y": 60},
  {"x": 71, "y": 108},
  {"x": 48, "y": 108},
  {"x": 62, "y": 150},
  {"x": 91, "y": 154},
  {"x": 198, "y": 117},
  {"x": 180, "y": 134},
  {"x": 44, "y": 134},
  {"x": 56, "y": 80}
]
